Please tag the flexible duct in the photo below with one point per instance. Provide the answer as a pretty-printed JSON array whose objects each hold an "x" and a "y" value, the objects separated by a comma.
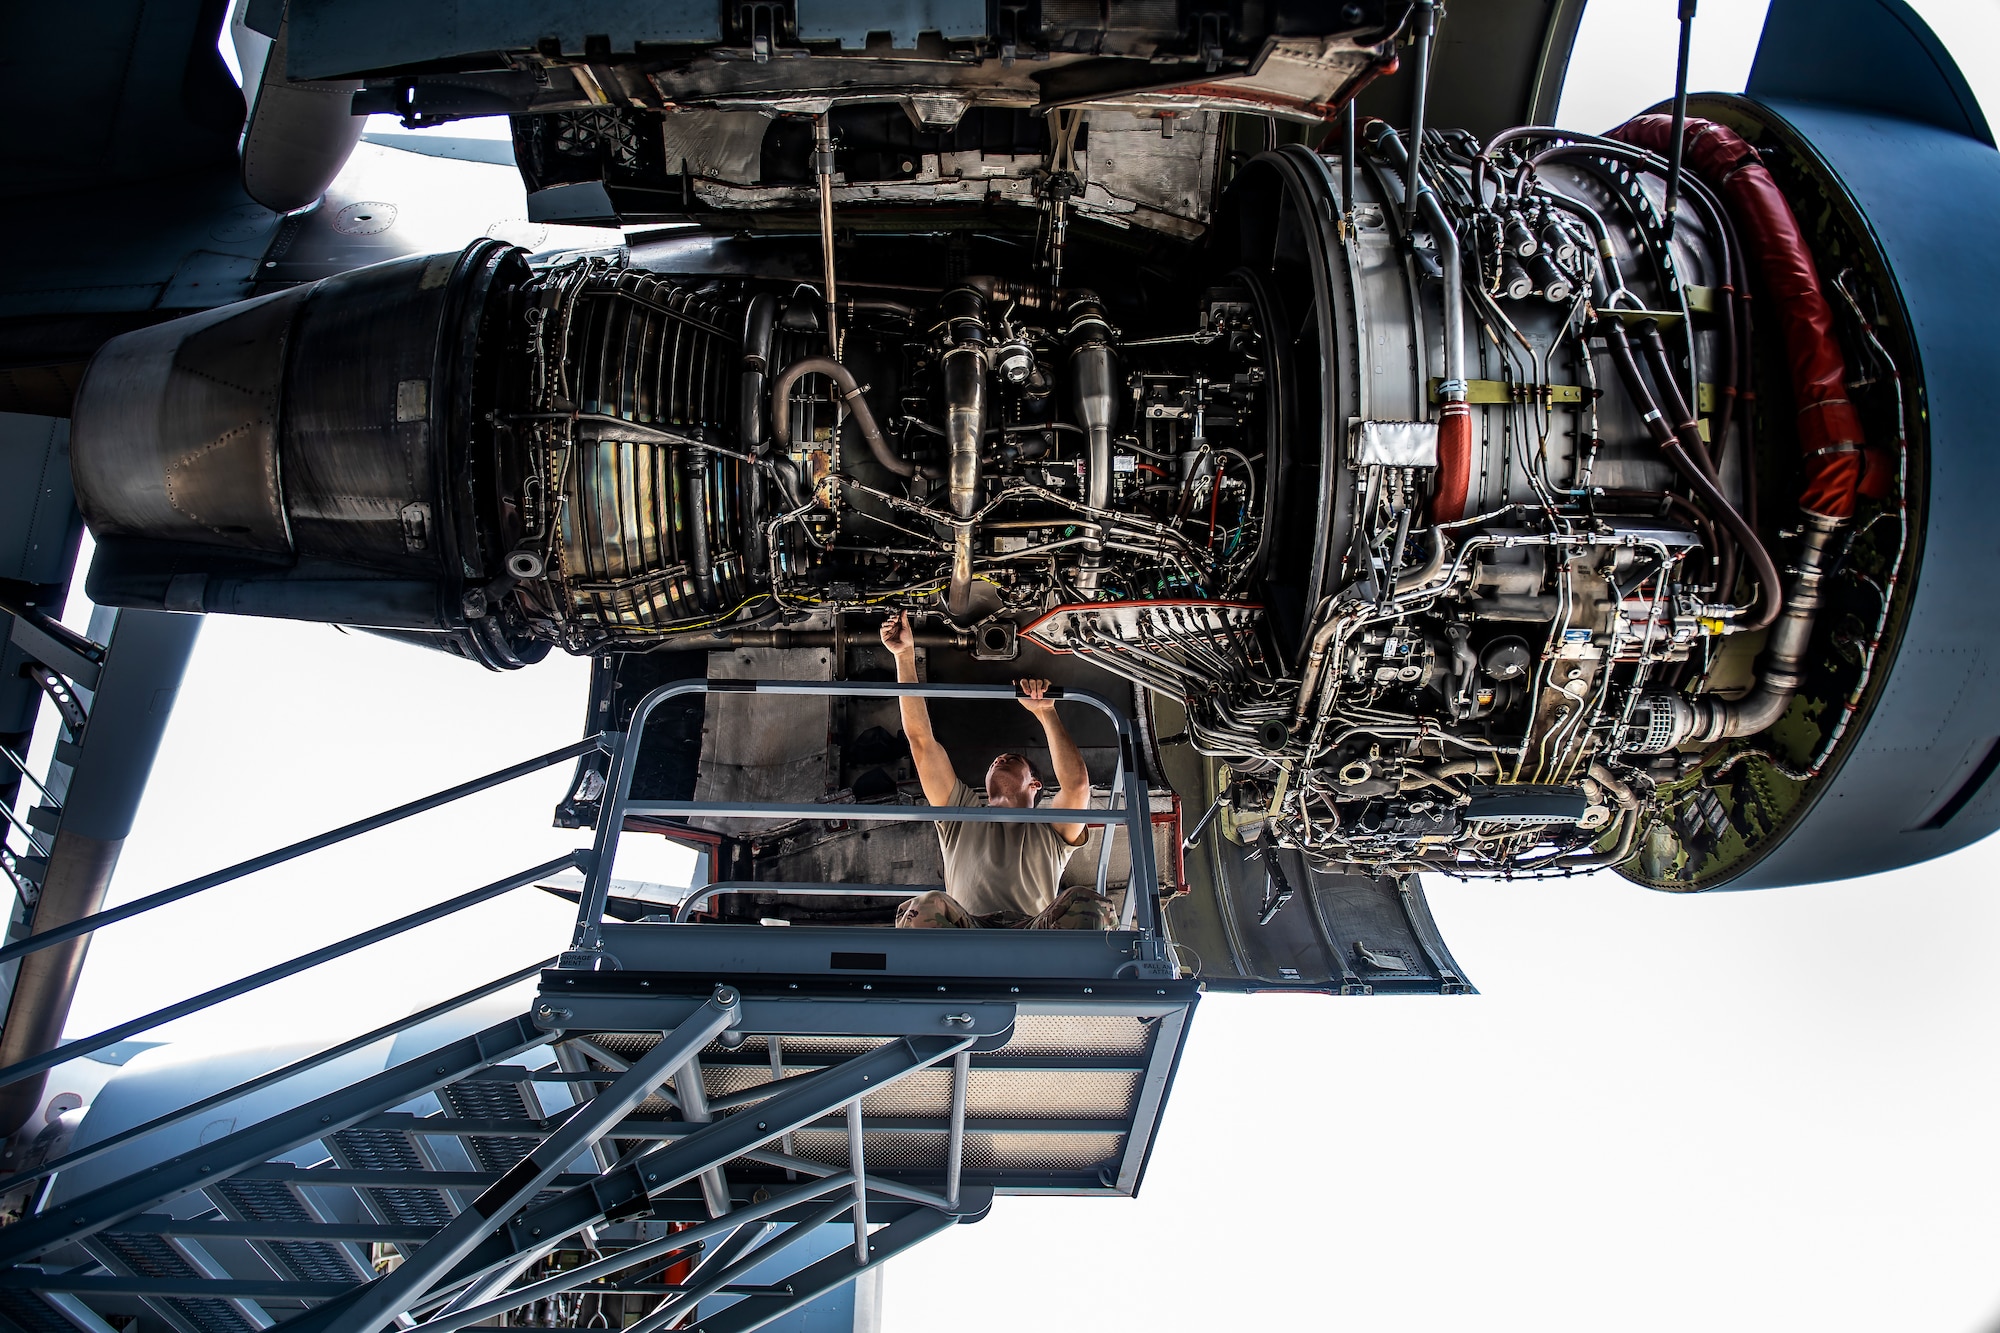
[{"x": 1839, "y": 467}]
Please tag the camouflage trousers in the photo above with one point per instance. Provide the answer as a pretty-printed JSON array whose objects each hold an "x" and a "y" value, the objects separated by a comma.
[{"x": 1074, "y": 909}]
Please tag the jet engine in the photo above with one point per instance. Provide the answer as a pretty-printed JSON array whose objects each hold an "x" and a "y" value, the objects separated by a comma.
[{"x": 1448, "y": 493}]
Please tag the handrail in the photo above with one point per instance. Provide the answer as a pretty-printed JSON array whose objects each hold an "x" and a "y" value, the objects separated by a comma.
[
  {"x": 111, "y": 1036},
  {"x": 85, "y": 925},
  {"x": 262, "y": 1081},
  {"x": 21, "y": 766},
  {"x": 707, "y": 891},
  {"x": 1131, "y": 806}
]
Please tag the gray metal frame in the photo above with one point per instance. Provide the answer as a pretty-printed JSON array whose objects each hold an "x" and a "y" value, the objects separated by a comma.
[
  {"x": 951, "y": 999},
  {"x": 1131, "y": 806}
]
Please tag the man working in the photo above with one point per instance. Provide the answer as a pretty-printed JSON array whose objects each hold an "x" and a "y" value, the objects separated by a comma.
[{"x": 999, "y": 874}]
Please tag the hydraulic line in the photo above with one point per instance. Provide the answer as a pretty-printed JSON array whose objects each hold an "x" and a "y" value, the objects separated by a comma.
[
  {"x": 823, "y": 169},
  {"x": 1454, "y": 474},
  {"x": 1839, "y": 466},
  {"x": 1770, "y": 595}
]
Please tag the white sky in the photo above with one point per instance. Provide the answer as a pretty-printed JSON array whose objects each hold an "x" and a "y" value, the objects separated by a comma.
[{"x": 1733, "y": 1113}]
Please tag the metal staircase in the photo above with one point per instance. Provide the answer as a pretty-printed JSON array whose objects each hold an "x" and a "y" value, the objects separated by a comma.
[{"x": 672, "y": 1130}]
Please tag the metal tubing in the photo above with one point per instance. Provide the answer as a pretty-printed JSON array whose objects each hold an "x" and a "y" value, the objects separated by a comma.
[
  {"x": 112, "y": 1035},
  {"x": 691, "y": 903},
  {"x": 823, "y": 169},
  {"x": 851, "y": 393},
  {"x": 104, "y": 1208},
  {"x": 1426, "y": 29},
  {"x": 86, "y": 925},
  {"x": 736, "y": 1265},
  {"x": 21, "y": 766},
  {"x": 857, "y": 1167},
  {"x": 1193, "y": 839},
  {"x": 829, "y": 1274},
  {"x": 262, "y": 1081},
  {"x": 961, "y": 1074},
  {"x": 572, "y": 1278},
  {"x": 406, "y": 1285},
  {"x": 775, "y": 1046},
  {"x": 1680, "y": 124},
  {"x": 694, "y": 1109},
  {"x": 971, "y": 814},
  {"x": 665, "y": 1168},
  {"x": 1349, "y": 146}
]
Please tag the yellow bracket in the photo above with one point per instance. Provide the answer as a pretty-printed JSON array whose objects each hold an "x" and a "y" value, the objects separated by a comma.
[{"x": 1494, "y": 392}]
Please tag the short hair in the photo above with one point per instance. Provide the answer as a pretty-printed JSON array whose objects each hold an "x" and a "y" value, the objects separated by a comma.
[{"x": 1026, "y": 763}]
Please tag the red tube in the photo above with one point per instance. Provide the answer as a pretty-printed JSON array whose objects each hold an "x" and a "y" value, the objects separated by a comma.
[
  {"x": 1454, "y": 477},
  {"x": 1839, "y": 466}
]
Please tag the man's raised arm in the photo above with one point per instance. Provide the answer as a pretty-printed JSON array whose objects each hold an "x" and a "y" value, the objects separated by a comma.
[
  {"x": 1071, "y": 775},
  {"x": 934, "y": 771}
]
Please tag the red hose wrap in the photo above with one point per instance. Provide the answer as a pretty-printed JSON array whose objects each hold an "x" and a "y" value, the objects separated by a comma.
[
  {"x": 1454, "y": 479},
  {"x": 1838, "y": 464}
]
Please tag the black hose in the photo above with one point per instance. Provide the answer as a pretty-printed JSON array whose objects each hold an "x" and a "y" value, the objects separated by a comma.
[
  {"x": 1771, "y": 594},
  {"x": 1654, "y": 348},
  {"x": 701, "y": 560},
  {"x": 760, "y": 318}
]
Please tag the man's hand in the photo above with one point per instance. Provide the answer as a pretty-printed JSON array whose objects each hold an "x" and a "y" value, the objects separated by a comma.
[
  {"x": 896, "y": 635},
  {"x": 1070, "y": 772},
  {"x": 1034, "y": 698}
]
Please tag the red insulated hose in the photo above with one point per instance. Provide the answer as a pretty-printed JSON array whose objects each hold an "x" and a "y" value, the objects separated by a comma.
[
  {"x": 1839, "y": 467},
  {"x": 1454, "y": 479}
]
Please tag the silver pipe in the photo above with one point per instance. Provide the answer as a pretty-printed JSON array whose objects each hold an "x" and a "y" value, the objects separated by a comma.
[
  {"x": 1426, "y": 25},
  {"x": 823, "y": 168},
  {"x": 776, "y": 1045},
  {"x": 694, "y": 1109},
  {"x": 961, "y": 1074},
  {"x": 1445, "y": 238},
  {"x": 855, "y": 1165},
  {"x": 1783, "y": 665},
  {"x": 965, "y": 423},
  {"x": 1096, "y": 403}
]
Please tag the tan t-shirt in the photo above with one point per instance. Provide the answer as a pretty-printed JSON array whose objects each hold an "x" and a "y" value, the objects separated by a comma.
[{"x": 996, "y": 867}]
